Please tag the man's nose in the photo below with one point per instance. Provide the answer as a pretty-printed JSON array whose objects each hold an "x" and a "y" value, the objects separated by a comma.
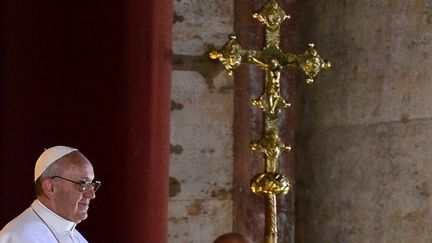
[{"x": 90, "y": 193}]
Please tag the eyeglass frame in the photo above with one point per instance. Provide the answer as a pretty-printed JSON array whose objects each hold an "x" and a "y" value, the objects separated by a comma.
[{"x": 84, "y": 185}]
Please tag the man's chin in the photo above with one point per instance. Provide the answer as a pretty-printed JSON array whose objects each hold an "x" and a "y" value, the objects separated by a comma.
[
  {"x": 80, "y": 218},
  {"x": 82, "y": 215}
]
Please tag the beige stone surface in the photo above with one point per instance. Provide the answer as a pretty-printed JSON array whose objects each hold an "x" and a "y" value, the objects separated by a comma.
[
  {"x": 381, "y": 55},
  {"x": 201, "y": 162},
  {"x": 201, "y": 126},
  {"x": 364, "y": 157},
  {"x": 367, "y": 184},
  {"x": 200, "y": 23},
  {"x": 195, "y": 221}
]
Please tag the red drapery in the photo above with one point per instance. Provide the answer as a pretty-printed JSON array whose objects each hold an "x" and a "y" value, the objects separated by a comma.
[{"x": 93, "y": 75}]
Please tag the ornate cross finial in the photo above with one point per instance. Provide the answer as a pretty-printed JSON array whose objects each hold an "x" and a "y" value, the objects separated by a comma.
[
  {"x": 272, "y": 59},
  {"x": 272, "y": 16}
]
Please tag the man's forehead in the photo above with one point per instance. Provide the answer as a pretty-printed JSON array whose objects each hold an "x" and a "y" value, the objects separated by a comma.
[
  {"x": 80, "y": 173},
  {"x": 75, "y": 158},
  {"x": 76, "y": 163}
]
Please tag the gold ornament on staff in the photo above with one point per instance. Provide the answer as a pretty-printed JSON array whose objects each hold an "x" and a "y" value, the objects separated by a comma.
[{"x": 270, "y": 183}]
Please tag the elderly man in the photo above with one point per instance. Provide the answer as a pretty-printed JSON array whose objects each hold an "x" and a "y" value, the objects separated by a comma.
[{"x": 64, "y": 187}]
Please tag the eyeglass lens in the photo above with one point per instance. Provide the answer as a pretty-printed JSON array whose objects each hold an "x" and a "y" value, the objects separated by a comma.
[{"x": 87, "y": 185}]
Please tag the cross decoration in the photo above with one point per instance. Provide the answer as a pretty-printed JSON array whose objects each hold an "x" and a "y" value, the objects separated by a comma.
[{"x": 272, "y": 59}]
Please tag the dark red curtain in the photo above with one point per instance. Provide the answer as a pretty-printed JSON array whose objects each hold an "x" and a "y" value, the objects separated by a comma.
[{"x": 93, "y": 75}]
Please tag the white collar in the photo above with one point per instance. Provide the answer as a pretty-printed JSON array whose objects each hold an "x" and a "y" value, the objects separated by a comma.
[{"x": 53, "y": 220}]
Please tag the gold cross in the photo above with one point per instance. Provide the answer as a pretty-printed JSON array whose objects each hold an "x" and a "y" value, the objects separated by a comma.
[{"x": 272, "y": 59}]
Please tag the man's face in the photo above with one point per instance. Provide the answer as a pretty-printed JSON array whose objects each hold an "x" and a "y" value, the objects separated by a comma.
[{"x": 69, "y": 202}]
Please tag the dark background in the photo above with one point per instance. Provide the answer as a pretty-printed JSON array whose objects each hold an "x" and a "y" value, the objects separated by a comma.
[{"x": 92, "y": 75}]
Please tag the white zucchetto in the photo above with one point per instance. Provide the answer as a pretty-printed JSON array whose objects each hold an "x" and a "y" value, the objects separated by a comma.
[{"x": 50, "y": 156}]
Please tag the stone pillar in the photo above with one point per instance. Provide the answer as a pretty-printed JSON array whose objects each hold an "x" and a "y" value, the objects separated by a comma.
[
  {"x": 363, "y": 171},
  {"x": 201, "y": 164}
]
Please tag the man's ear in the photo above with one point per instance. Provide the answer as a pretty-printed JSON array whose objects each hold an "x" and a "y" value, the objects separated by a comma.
[{"x": 48, "y": 187}]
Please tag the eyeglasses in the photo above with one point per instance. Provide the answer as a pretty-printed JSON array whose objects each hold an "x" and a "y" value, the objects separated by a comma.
[{"x": 84, "y": 185}]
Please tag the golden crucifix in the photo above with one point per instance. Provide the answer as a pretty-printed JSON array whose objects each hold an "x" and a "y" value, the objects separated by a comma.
[{"x": 272, "y": 59}]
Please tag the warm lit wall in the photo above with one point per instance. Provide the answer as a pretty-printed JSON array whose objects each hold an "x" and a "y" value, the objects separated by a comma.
[
  {"x": 365, "y": 161},
  {"x": 201, "y": 162},
  {"x": 213, "y": 124}
]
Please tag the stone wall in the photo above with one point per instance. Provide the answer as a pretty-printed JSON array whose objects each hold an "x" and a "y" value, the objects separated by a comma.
[
  {"x": 201, "y": 169},
  {"x": 363, "y": 158}
]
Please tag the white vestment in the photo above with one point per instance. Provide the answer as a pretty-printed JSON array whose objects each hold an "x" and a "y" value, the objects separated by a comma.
[{"x": 38, "y": 224}]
